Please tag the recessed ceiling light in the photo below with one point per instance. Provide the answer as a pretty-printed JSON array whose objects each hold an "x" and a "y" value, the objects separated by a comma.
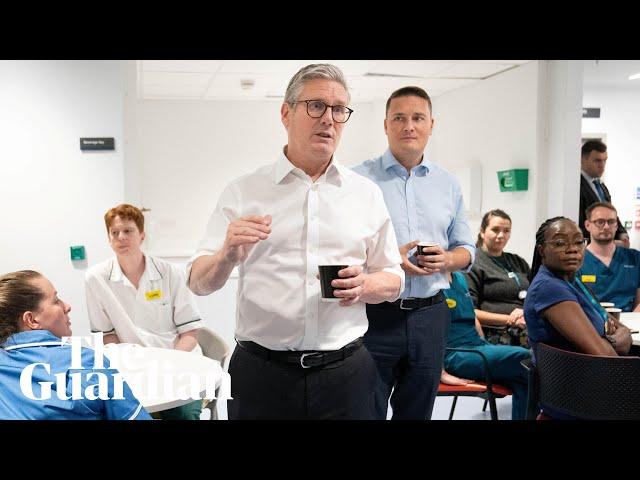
[{"x": 635, "y": 76}]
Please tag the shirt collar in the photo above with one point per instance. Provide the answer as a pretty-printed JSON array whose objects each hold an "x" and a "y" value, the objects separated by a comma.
[
  {"x": 28, "y": 337},
  {"x": 283, "y": 167},
  {"x": 588, "y": 177},
  {"x": 390, "y": 161},
  {"x": 150, "y": 267}
]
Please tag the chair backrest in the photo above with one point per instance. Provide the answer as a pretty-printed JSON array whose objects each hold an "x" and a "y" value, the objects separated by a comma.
[
  {"x": 588, "y": 386},
  {"x": 213, "y": 346}
]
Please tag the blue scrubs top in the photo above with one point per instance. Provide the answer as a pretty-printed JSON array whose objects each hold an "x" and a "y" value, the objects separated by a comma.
[
  {"x": 546, "y": 290},
  {"x": 617, "y": 283},
  {"x": 41, "y": 346},
  {"x": 462, "y": 332}
]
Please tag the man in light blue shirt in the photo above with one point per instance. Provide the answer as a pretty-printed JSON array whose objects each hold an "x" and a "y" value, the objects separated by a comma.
[{"x": 407, "y": 338}]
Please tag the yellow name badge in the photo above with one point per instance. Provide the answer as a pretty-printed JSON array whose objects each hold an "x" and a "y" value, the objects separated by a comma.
[
  {"x": 153, "y": 294},
  {"x": 588, "y": 279},
  {"x": 451, "y": 303}
]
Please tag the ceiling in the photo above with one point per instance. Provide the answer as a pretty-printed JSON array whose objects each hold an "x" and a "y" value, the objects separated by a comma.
[
  {"x": 368, "y": 80},
  {"x": 611, "y": 73}
]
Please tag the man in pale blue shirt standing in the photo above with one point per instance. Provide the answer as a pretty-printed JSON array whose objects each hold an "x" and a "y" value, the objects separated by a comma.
[{"x": 407, "y": 337}]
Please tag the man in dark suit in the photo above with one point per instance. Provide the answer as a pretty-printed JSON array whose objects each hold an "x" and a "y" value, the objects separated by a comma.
[{"x": 593, "y": 160}]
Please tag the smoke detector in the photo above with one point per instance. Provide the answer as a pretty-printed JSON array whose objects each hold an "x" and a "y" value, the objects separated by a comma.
[{"x": 247, "y": 83}]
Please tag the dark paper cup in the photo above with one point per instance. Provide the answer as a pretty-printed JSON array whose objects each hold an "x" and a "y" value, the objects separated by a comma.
[
  {"x": 422, "y": 245},
  {"x": 327, "y": 274}
]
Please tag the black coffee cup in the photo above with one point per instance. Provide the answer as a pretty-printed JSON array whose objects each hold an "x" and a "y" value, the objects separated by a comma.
[
  {"x": 327, "y": 274},
  {"x": 422, "y": 245}
]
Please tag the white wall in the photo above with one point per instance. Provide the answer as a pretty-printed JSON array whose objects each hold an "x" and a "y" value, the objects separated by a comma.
[
  {"x": 189, "y": 150},
  {"x": 493, "y": 124},
  {"x": 53, "y": 195},
  {"x": 620, "y": 109}
]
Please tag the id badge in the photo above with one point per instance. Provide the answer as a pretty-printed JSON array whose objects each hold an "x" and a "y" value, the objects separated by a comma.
[{"x": 153, "y": 295}]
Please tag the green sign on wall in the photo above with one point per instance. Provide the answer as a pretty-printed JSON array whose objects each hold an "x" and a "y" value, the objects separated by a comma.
[{"x": 514, "y": 180}]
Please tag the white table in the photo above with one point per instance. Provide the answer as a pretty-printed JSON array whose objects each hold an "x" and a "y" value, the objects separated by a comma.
[
  {"x": 163, "y": 378},
  {"x": 632, "y": 320}
]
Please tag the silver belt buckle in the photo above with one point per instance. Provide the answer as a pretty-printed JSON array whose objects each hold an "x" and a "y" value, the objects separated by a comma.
[
  {"x": 402, "y": 301},
  {"x": 302, "y": 359}
]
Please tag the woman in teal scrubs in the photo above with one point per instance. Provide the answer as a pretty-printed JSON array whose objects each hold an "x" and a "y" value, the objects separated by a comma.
[{"x": 465, "y": 332}]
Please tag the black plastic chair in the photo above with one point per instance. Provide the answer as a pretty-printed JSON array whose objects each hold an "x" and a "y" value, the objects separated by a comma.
[
  {"x": 589, "y": 387},
  {"x": 486, "y": 390},
  {"x": 533, "y": 394}
]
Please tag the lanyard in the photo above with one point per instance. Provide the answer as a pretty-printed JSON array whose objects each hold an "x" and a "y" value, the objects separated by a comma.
[
  {"x": 601, "y": 311},
  {"x": 510, "y": 274}
]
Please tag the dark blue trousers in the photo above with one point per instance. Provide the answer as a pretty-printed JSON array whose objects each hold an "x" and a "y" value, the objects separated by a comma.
[{"x": 408, "y": 348}]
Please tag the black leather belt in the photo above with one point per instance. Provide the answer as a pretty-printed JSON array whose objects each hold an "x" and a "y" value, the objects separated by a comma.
[
  {"x": 412, "y": 303},
  {"x": 304, "y": 359}
]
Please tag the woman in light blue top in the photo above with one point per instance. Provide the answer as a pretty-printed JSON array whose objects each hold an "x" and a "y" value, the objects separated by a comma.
[{"x": 33, "y": 320}]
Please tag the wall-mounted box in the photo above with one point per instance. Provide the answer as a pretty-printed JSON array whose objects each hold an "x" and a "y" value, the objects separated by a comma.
[
  {"x": 77, "y": 252},
  {"x": 514, "y": 180}
]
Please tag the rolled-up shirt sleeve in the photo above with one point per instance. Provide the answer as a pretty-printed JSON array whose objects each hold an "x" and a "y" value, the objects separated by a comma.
[
  {"x": 459, "y": 232},
  {"x": 226, "y": 211}
]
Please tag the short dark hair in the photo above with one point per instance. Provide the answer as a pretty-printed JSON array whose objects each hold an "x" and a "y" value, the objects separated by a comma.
[
  {"x": 593, "y": 206},
  {"x": 591, "y": 145},
  {"x": 409, "y": 92}
]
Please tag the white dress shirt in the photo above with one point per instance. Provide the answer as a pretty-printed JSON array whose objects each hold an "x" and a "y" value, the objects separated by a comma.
[
  {"x": 341, "y": 218},
  {"x": 152, "y": 315}
]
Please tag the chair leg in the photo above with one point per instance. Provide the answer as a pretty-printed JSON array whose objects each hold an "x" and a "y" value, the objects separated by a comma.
[
  {"x": 484, "y": 407},
  {"x": 492, "y": 406},
  {"x": 453, "y": 407}
]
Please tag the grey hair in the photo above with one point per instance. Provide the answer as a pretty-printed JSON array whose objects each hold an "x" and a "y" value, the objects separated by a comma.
[{"x": 311, "y": 72}]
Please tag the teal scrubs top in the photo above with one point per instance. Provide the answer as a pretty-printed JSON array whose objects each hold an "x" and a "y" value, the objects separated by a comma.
[
  {"x": 462, "y": 332},
  {"x": 617, "y": 283}
]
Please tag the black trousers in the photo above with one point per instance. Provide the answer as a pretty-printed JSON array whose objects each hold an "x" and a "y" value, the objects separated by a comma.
[{"x": 267, "y": 389}]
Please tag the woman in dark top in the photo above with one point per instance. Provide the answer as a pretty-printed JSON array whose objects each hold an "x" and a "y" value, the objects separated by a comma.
[
  {"x": 498, "y": 280},
  {"x": 559, "y": 310}
]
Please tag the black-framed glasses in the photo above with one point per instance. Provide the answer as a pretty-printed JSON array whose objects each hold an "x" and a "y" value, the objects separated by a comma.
[
  {"x": 316, "y": 109},
  {"x": 612, "y": 222},
  {"x": 561, "y": 244}
]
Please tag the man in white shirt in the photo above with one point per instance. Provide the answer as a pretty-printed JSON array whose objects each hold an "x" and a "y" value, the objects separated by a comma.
[
  {"x": 136, "y": 298},
  {"x": 299, "y": 357}
]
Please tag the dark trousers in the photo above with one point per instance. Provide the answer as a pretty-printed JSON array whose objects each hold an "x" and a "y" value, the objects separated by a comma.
[
  {"x": 408, "y": 348},
  {"x": 267, "y": 389}
]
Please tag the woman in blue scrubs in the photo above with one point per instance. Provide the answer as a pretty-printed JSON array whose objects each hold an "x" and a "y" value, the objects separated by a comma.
[
  {"x": 559, "y": 310},
  {"x": 36, "y": 370},
  {"x": 465, "y": 332}
]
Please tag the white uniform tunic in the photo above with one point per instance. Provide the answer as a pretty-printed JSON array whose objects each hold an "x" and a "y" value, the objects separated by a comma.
[{"x": 153, "y": 315}]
